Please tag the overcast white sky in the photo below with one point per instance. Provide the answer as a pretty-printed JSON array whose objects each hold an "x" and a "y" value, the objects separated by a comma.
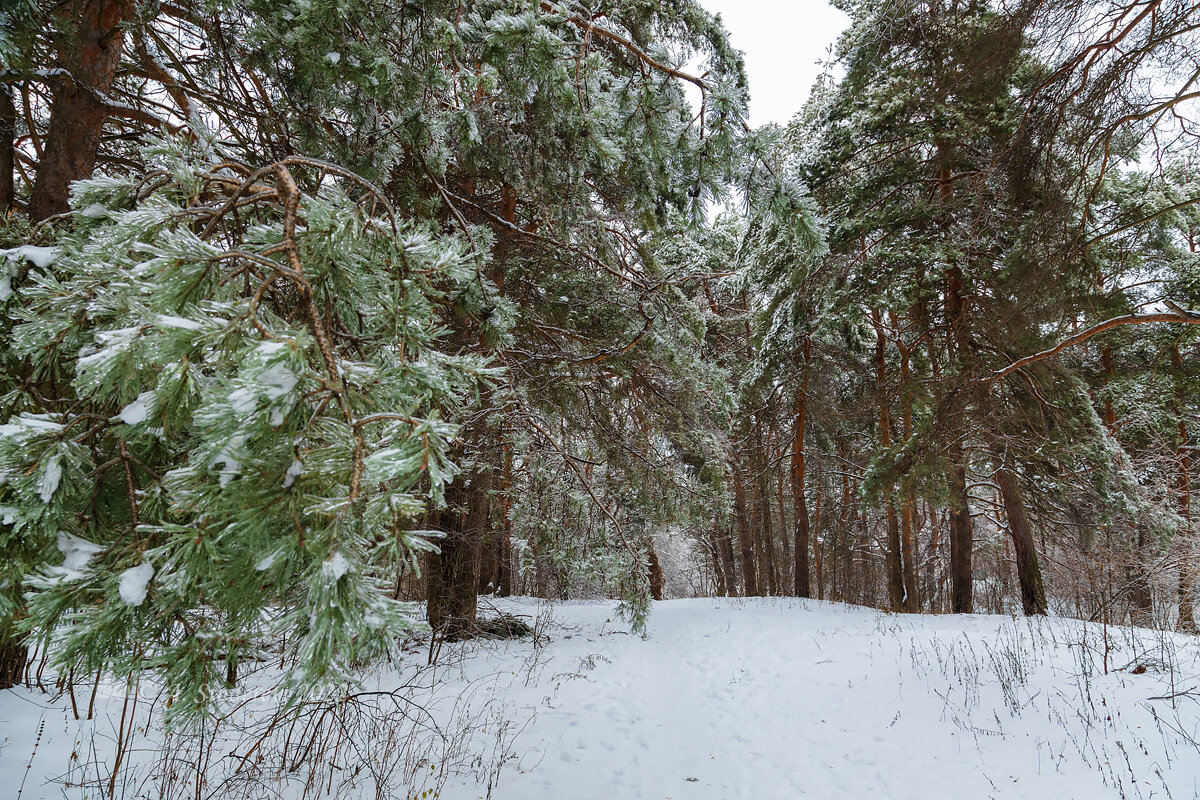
[{"x": 783, "y": 41}]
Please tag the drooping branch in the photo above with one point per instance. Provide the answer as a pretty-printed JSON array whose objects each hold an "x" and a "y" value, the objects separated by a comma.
[
  {"x": 612, "y": 36},
  {"x": 618, "y": 350},
  {"x": 1174, "y": 314},
  {"x": 1148, "y": 218},
  {"x": 584, "y": 482}
]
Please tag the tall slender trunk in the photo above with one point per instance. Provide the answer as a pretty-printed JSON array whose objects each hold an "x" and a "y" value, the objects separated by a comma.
[
  {"x": 764, "y": 540},
  {"x": 962, "y": 541},
  {"x": 912, "y": 596},
  {"x": 763, "y": 545},
  {"x": 8, "y": 132},
  {"x": 867, "y": 594},
  {"x": 467, "y": 521},
  {"x": 785, "y": 562},
  {"x": 1029, "y": 572},
  {"x": 933, "y": 578},
  {"x": 727, "y": 561},
  {"x": 719, "y": 573},
  {"x": 815, "y": 537},
  {"x": 1183, "y": 489},
  {"x": 1141, "y": 596},
  {"x": 962, "y": 538},
  {"x": 912, "y": 599},
  {"x": 841, "y": 551},
  {"x": 88, "y": 44},
  {"x": 504, "y": 587},
  {"x": 767, "y": 528},
  {"x": 745, "y": 539},
  {"x": 504, "y": 583},
  {"x": 800, "y": 503},
  {"x": 894, "y": 568}
]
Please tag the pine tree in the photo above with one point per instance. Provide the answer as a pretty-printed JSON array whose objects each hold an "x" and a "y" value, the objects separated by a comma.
[
  {"x": 233, "y": 420},
  {"x": 554, "y": 139}
]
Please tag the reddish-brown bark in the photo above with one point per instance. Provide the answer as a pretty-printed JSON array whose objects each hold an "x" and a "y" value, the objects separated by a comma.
[
  {"x": 8, "y": 132},
  {"x": 800, "y": 503},
  {"x": 89, "y": 42}
]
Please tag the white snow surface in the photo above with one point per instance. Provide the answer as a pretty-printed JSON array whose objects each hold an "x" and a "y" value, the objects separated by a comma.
[
  {"x": 277, "y": 380},
  {"x": 139, "y": 410},
  {"x": 170, "y": 321},
  {"x": 242, "y": 401},
  {"x": 294, "y": 471},
  {"x": 335, "y": 566},
  {"x": 51, "y": 478},
  {"x": 134, "y": 582},
  {"x": 41, "y": 257},
  {"x": 230, "y": 466},
  {"x": 24, "y": 426},
  {"x": 765, "y": 699},
  {"x": 791, "y": 698},
  {"x": 266, "y": 562},
  {"x": 77, "y": 552}
]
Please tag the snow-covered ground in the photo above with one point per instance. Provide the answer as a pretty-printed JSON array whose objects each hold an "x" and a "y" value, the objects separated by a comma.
[{"x": 728, "y": 699}]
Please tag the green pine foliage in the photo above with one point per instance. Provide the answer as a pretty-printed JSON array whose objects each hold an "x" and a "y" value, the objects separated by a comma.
[{"x": 250, "y": 417}]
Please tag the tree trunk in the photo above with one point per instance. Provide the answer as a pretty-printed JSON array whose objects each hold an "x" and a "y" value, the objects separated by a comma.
[
  {"x": 13, "y": 657},
  {"x": 505, "y": 588},
  {"x": 766, "y": 529},
  {"x": 912, "y": 599},
  {"x": 1183, "y": 489},
  {"x": 1029, "y": 573},
  {"x": 725, "y": 549},
  {"x": 1141, "y": 597},
  {"x": 764, "y": 573},
  {"x": 841, "y": 548},
  {"x": 654, "y": 568},
  {"x": 800, "y": 503},
  {"x": 745, "y": 539},
  {"x": 89, "y": 45},
  {"x": 719, "y": 574},
  {"x": 488, "y": 581},
  {"x": 962, "y": 543},
  {"x": 894, "y": 567},
  {"x": 505, "y": 578},
  {"x": 815, "y": 538},
  {"x": 1109, "y": 367},
  {"x": 962, "y": 539},
  {"x": 933, "y": 579},
  {"x": 892, "y": 563},
  {"x": 786, "y": 561},
  {"x": 452, "y": 575},
  {"x": 8, "y": 132}
]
